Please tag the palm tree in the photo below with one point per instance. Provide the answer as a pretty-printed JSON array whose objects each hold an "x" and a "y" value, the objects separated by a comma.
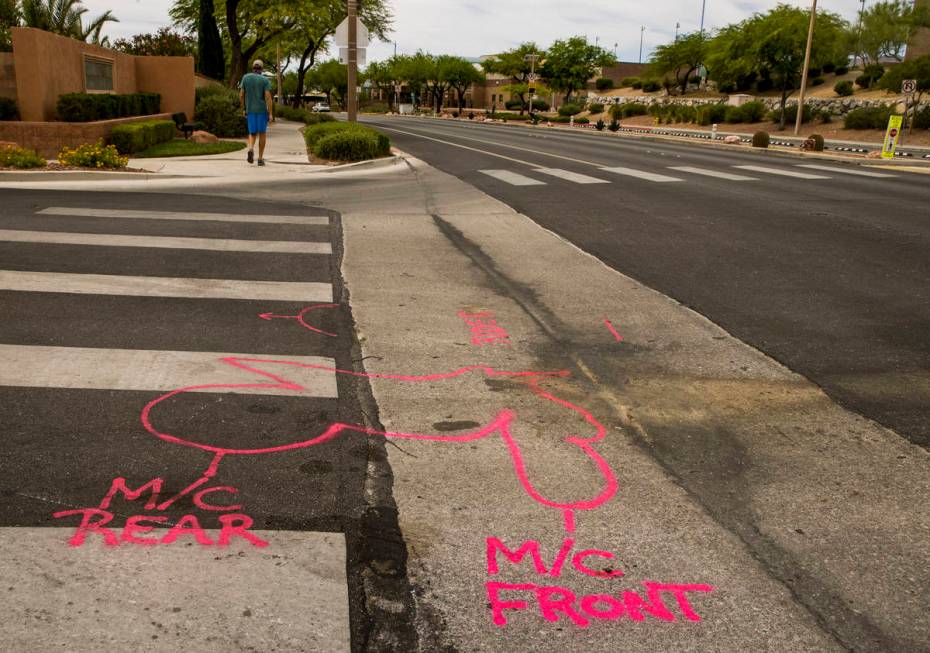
[{"x": 65, "y": 17}]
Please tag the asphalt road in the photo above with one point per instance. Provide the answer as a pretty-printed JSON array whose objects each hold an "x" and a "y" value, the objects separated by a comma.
[
  {"x": 82, "y": 362},
  {"x": 823, "y": 268}
]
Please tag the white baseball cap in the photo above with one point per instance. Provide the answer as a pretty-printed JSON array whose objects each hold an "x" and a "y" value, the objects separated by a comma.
[{"x": 258, "y": 64}]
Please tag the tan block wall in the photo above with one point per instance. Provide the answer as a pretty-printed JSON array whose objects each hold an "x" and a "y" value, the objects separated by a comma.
[
  {"x": 920, "y": 44},
  {"x": 47, "y": 138},
  {"x": 48, "y": 65},
  {"x": 7, "y": 75},
  {"x": 172, "y": 77}
]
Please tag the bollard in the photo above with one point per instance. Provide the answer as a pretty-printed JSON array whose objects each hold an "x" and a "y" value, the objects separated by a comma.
[{"x": 713, "y": 132}]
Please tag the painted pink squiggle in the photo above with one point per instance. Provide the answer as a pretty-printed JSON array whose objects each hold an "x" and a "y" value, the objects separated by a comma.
[
  {"x": 300, "y": 318},
  {"x": 501, "y": 424}
]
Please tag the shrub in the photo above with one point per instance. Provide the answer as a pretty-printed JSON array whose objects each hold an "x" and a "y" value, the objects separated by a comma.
[
  {"x": 628, "y": 109},
  {"x": 139, "y": 136},
  {"x": 814, "y": 72},
  {"x": 8, "y": 109},
  {"x": 710, "y": 114},
  {"x": 85, "y": 107},
  {"x": 578, "y": 120},
  {"x": 20, "y": 157},
  {"x": 614, "y": 125},
  {"x": 843, "y": 88},
  {"x": 818, "y": 81},
  {"x": 651, "y": 85},
  {"x": 637, "y": 83},
  {"x": 343, "y": 141},
  {"x": 868, "y": 118},
  {"x": 748, "y": 112},
  {"x": 818, "y": 142},
  {"x": 695, "y": 79},
  {"x": 603, "y": 83},
  {"x": 513, "y": 104},
  {"x": 841, "y": 70},
  {"x": 596, "y": 107},
  {"x": 539, "y": 105},
  {"x": 570, "y": 109},
  {"x": 870, "y": 74},
  {"x": 791, "y": 114},
  {"x": 97, "y": 155},
  {"x": 221, "y": 114},
  {"x": 599, "y": 125},
  {"x": 726, "y": 87},
  {"x": 760, "y": 139},
  {"x": 376, "y": 107},
  {"x": 829, "y": 67},
  {"x": 629, "y": 82},
  {"x": 764, "y": 85},
  {"x": 922, "y": 118}
]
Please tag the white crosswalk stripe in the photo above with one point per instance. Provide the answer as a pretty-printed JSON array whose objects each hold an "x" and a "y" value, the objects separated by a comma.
[
  {"x": 162, "y": 242},
  {"x": 176, "y": 215},
  {"x": 719, "y": 174},
  {"x": 782, "y": 172},
  {"x": 106, "y": 284},
  {"x": 642, "y": 174},
  {"x": 568, "y": 175},
  {"x": 151, "y": 370},
  {"x": 847, "y": 171},
  {"x": 512, "y": 178}
]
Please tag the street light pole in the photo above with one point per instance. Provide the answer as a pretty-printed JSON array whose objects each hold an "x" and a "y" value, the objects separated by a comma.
[
  {"x": 642, "y": 30},
  {"x": 703, "y": 8},
  {"x": 807, "y": 65},
  {"x": 532, "y": 58},
  {"x": 352, "y": 99}
]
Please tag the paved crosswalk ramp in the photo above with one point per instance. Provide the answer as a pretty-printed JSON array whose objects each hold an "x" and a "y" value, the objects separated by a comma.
[{"x": 165, "y": 370}]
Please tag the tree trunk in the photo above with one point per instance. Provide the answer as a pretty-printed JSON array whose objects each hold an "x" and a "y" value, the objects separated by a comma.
[
  {"x": 210, "y": 59},
  {"x": 461, "y": 100},
  {"x": 302, "y": 68},
  {"x": 235, "y": 44},
  {"x": 784, "y": 101}
]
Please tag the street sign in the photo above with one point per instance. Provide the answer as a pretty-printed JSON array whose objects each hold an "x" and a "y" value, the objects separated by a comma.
[
  {"x": 909, "y": 86},
  {"x": 892, "y": 135},
  {"x": 342, "y": 34},
  {"x": 361, "y": 53},
  {"x": 533, "y": 77}
]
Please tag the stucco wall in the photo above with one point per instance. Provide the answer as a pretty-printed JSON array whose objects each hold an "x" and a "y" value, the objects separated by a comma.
[
  {"x": 7, "y": 75},
  {"x": 919, "y": 45},
  {"x": 47, "y": 138},
  {"x": 48, "y": 65}
]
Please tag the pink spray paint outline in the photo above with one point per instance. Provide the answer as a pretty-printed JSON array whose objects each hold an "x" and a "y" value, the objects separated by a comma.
[
  {"x": 300, "y": 318},
  {"x": 610, "y": 327},
  {"x": 500, "y": 424}
]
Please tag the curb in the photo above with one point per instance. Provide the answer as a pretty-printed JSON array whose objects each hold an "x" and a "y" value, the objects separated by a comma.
[
  {"x": 383, "y": 162},
  {"x": 81, "y": 175}
]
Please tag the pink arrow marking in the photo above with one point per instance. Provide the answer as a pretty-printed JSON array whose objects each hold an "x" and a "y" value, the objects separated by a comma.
[
  {"x": 610, "y": 327},
  {"x": 300, "y": 318}
]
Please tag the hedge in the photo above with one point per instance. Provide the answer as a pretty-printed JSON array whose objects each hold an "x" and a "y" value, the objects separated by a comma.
[
  {"x": 843, "y": 88},
  {"x": 8, "y": 109},
  {"x": 344, "y": 141},
  {"x": 86, "y": 107},
  {"x": 302, "y": 115},
  {"x": 603, "y": 83},
  {"x": 868, "y": 118},
  {"x": 570, "y": 109},
  {"x": 139, "y": 136}
]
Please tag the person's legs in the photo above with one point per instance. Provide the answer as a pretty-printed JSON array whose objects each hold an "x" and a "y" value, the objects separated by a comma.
[
  {"x": 250, "y": 156},
  {"x": 262, "y": 139}
]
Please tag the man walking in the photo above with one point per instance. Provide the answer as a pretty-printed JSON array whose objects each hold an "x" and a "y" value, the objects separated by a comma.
[{"x": 255, "y": 96}]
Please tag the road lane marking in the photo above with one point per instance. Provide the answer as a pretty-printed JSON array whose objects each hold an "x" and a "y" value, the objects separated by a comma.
[
  {"x": 105, "y": 284},
  {"x": 782, "y": 172},
  {"x": 844, "y": 171},
  {"x": 464, "y": 147},
  {"x": 713, "y": 173},
  {"x": 152, "y": 370},
  {"x": 313, "y": 220},
  {"x": 642, "y": 174},
  {"x": 212, "y": 244},
  {"x": 574, "y": 177},
  {"x": 512, "y": 178}
]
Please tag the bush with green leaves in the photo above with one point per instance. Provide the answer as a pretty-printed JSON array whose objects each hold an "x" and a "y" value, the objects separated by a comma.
[
  {"x": 345, "y": 141},
  {"x": 627, "y": 82},
  {"x": 20, "y": 157},
  {"x": 791, "y": 114},
  {"x": 375, "y": 107},
  {"x": 637, "y": 83},
  {"x": 139, "y": 136},
  {"x": 219, "y": 111},
  {"x": 870, "y": 74},
  {"x": 603, "y": 83},
  {"x": 596, "y": 107},
  {"x": 8, "y": 109},
  {"x": 578, "y": 120},
  {"x": 841, "y": 70},
  {"x": 600, "y": 124},
  {"x": 652, "y": 85},
  {"x": 818, "y": 81},
  {"x": 87, "y": 107},
  {"x": 749, "y": 112},
  {"x": 843, "y": 88},
  {"x": 614, "y": 125},
  {"x": 97, "y": 155},
  {"x": 628, "y": 109},
  {"x": 726, "y": 87},
  {"x": 570, "y": 109},
  {"x": 868, "y": 118},
  {"x": 922, "y": 118},
  {"x": 829, "y": 67},
  {"x": 302, "y": 115},
  {"x": 710, "y": 114}
]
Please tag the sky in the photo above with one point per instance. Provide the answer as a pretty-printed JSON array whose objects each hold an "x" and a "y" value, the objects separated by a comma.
[{"x": 472, "y": 28}]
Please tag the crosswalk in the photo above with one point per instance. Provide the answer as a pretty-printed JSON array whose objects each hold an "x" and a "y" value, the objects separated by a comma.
[
  {"x": 85, "y": 347},
  {"x": 673, "y": 174}
]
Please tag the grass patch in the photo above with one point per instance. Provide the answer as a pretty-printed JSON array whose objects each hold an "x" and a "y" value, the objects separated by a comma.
[{"x": 183, "y": 147}]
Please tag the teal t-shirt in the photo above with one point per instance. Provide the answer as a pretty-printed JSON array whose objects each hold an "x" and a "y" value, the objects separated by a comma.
[{"x": 254, "y": 87}]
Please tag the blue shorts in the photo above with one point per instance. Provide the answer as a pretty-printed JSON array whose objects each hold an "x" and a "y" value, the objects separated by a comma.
[{"x": 258, "y": 122}]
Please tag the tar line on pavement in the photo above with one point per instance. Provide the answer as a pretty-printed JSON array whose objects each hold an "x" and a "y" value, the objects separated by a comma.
[{"x": 185, "y": 448}]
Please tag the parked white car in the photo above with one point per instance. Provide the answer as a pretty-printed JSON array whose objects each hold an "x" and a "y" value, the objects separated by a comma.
[{"x": 321, "y": 107}]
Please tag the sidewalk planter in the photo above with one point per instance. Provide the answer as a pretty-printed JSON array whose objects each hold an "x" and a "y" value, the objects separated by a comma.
[
  {"x": 140, "y": 136},
  {"x": 87, "y": 107},
  {"x": 342, "y": 141}
]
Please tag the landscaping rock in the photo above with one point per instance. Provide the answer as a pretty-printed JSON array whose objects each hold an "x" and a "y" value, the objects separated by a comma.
[
  {"x": 204, "y": 137},
  {"x": 732, "y": 140}
]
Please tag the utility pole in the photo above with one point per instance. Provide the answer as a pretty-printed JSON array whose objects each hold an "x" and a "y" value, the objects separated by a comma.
[
  {"x": 615, "y": 50},
  {"x": 859, "y": 33},
  {"x": 642, "y": 30},
  {"x": 677, "y": 27},
  {"x": 531, "y": 88},
  {"x": 807, "y": 65},
  {"x": 703, "y": 8},
  {"x": 352, "y": 94}
]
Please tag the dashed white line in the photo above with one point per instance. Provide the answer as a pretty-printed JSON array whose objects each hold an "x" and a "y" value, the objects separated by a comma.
[
  {"x": 846, "y": 171},
  {"x": 162, "y": 242},
  {"x": 574, "y": 177},
  {"x": 713, "y": 173},
  {"x": 642, "y": 174},
  {"x": 782, "y": 172},
  {"x": 318, "y": 220},
  {"x": 512, "y": 178}
]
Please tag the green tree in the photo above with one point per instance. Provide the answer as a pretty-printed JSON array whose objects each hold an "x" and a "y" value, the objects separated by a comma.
[
  {"x": 886, "y": 27},
  {"x": 381, "y": 76},
  {"x": 514, "y": 64},
  {"x": 461, "y": 74},
  {"x": 164, "y": 43},
  {"x": 331, "y": 78},
  {"x": 415, "y": 71},
  {"x": 9, "y": 18},
  {"x": 680, "y": 58},
  {"x": 917, "y": 69},
  {"x": 65, "y": 17},
  {"x": 772, "y": 45},
  {"x": 571, "y": 63}
]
